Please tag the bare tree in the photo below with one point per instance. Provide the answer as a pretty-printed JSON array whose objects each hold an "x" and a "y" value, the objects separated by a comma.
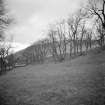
[
  {"x": 5, "y": 56},
  {"x": 88, "y": 40},
  {"x": 43, "y": 48},
  {"x": 53, "y": 43},
  {"x": 82, "y": 34},
  {"x": 5, "y": 21},
  {"x": 96, "y": 9},
  {"x": 76, "y": 28},
  {"x": 70, "y": 40},
  {"x": 100, "y": 33},
  {"x": 74, "y": 23},
  {"x": 62, "y": 40},
  {"x": 58, "y": 40}
]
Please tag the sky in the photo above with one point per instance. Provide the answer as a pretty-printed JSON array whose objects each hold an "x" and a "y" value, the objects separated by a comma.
[{"x": 34, "y": 16}]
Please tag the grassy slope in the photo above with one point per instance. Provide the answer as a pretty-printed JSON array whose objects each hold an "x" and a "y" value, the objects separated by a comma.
[{"x": 76, "y": 82}]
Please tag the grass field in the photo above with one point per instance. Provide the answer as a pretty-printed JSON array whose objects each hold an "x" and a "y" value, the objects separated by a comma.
[{"x": 76, "y": 82}]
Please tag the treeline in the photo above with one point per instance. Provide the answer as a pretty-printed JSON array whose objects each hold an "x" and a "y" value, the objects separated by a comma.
[
  {"x": 72, "y": 36},
  {"x": 67, "y": 38}
]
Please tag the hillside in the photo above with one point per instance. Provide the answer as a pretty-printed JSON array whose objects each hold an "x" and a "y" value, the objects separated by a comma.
[{"x": 77, "y": 82}]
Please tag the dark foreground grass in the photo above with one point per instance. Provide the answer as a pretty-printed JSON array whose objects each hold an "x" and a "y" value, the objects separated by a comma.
[{"x": 77, "y": 82}]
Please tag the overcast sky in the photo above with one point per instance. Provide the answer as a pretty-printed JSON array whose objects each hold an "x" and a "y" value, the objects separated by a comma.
[{"x": 33, "y": 16}]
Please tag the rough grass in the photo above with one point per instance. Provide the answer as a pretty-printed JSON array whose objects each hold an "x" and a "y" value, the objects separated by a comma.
[{"x": 76, "y": 82}]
